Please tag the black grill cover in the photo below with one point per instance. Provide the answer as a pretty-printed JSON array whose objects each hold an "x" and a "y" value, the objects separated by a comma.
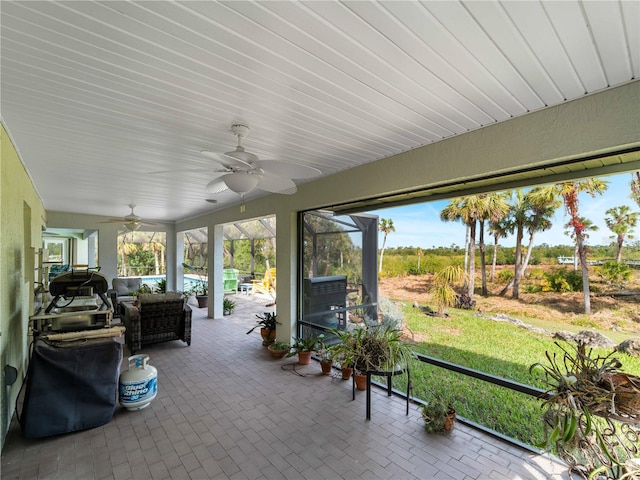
[{"x": 71, "y": 387}]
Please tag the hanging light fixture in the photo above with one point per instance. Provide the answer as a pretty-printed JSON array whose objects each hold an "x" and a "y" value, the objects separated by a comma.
[
  {"x": 132, "y": 226},
  {"x": 241, "y": 182}
]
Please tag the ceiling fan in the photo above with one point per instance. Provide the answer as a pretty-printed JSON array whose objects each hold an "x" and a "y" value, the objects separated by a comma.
[
  {"x": 242, "y": 171},
  {"x": 131, "y": 222}
]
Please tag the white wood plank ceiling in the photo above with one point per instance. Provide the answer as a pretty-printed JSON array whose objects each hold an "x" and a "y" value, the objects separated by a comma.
[{"x": 97, "y": 94}]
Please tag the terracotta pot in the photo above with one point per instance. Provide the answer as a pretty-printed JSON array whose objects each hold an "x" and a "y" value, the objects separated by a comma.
[
  {"x": 326, "y": 366},
  {"x": 361, "y": 381},
  {"x": 346, "y": 372},
  {"x": 304, "y": 358},
  {"x": 449, "y": 421},
  {"x": 268, "y": 336},
  {"x": 277, "y": 353}
]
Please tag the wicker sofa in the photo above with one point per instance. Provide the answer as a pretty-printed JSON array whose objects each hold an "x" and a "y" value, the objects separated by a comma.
[{"x": 157, "y": 318}]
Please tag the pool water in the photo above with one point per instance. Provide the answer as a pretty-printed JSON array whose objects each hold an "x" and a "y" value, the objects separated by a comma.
[{"x": 189, "y": 282}]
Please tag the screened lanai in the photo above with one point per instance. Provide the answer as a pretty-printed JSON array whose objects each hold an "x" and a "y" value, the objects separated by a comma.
[{"x": 249, "y": 245}]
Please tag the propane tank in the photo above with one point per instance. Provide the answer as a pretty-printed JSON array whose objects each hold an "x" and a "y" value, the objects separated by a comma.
[{"x": 138, "y": 384}]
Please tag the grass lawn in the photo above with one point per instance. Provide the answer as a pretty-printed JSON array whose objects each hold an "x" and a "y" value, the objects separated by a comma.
[{"x": 498, "y": 348}]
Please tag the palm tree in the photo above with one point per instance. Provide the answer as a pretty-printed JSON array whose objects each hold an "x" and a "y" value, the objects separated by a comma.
[
  {"x": 465, "y": 209},
  {"x": 127, "y": 246},
  {"x": 493, "y": 207},
  {"x": 542, "y": 211},
  {"x": 498, "y": 230},
  {"x": 635, "y": 187},
  {"x": 589, "y": 226},
  {"x": 442, "y": 290},
  {"x": 569, "y": 192},
  {"x": 530, "y": 212},
  {"x": 621, "y": 221},
  {"x": 386, "y": 226}
]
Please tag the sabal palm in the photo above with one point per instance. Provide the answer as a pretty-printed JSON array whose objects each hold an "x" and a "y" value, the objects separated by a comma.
[
  {"x": 465, "y": 209},
  {"x": 635, "y": 187},
  {"x": 589, "y": 226},
  {"x": 569, "y": 191},
  {"x": 498, "y": 230},
  {"x": 385, "y": 226},
  {"x": 492, "y": 207},
  {"x": 442, "y": 289},
  {"x": 621, "y": 221},
  {"x": 532, "y": 212}
]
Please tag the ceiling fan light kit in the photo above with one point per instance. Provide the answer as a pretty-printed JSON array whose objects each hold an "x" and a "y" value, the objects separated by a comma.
[
  {"x": 244, "y": 171},
  {"x": 131, "y": 222},
  {"x": 241, "y": 182},
  {"x": 132, "y": 226}
]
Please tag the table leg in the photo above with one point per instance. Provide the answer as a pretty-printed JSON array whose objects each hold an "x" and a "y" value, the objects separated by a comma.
[
  {"x": 353, "y": 386},
  {"x": 408, "y": 388},
  {"x": 368, "y": 395}
]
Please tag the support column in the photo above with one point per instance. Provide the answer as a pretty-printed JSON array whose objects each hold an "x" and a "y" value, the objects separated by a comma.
[
  {"x": 172, "y": 258},
  {"x": 287, "y": 281},
  {"x": 175, "y": 258},
  {"x": 216, "y": 260}
]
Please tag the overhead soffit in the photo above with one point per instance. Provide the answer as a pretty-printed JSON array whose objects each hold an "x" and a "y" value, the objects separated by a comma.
[
  {"x": 97, "y": 94},
  {"x": 610, "y": 164}
]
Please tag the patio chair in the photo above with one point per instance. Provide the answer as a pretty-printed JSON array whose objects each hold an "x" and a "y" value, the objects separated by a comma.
[
  {"x": 268, "y": 283},
  {"x": 230, "y": 280},
  {"x": 157, "y": 318},
  {"x": 121, "y": 292}
]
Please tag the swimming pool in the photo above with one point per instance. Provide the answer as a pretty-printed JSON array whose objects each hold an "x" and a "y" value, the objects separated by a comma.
[{"x": 189, "y": 281}]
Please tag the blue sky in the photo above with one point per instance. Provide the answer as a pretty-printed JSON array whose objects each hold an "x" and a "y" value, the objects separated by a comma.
[{"x": 420, "y": 225}]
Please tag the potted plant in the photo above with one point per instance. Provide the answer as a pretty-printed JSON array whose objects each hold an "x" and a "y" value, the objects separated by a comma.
[
  {"x": 591, "y": 412},
  {"x": 379, "y": 348},
  {"x": 304, "y": 347},
  {"x": 142, "y": 290},
  {"x": 267, "y": 324},
  {"x": 372, "y": 348},
  {"x": 326, "y": 356},
  {"x": 343, "y": 352},
  {"x": 200, "y": 288},
  {"x": 161, "y": 286},
  {"x": 201, "y": 291},
  {"x": 279, "y": 349},
  {"x": 228, "y": 306},
  {"x": 438, "y": 415}
]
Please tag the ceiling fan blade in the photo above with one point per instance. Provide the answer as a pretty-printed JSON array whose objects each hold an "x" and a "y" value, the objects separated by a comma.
[
  {"x": 114, "y": 220},
  {"x": 226, "y": 160},
  {"x": 275, "y": 184},
  {"x": 180, "y": 170},
  {"x": 286, "y": 169},
  {"x": 216, "y": 185},
  {"x": 241, "y": 155}
]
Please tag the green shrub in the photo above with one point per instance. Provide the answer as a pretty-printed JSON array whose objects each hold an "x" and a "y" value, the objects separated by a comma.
[
  {"x": 505, "y": 275},
  {"x": 535, "y": 274},
  {"x": 614, "y": 273},
  {"x": 561, "y": 280},
  {"x": 532, "y": 288}
]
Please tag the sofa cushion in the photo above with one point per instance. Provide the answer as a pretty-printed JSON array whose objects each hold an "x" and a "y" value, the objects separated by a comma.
[
  {"x": 126, "y": 285},
  {"x": 160, "y": 297}
]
